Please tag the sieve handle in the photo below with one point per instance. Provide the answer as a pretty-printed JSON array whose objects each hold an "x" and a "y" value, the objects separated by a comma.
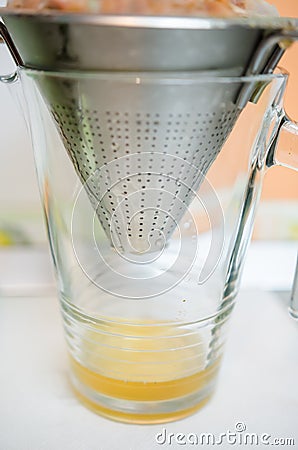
[
  {"x": 4, "y": 35},
  {"x": 10, "y": 78}
]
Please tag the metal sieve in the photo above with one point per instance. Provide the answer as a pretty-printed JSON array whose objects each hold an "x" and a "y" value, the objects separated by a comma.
[
  {"x": 141, "y": 146},
  {"x": 144, "y": 133}
]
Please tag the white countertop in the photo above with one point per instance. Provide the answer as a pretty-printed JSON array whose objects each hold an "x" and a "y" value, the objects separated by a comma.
[{"x": 38, "y": 411}]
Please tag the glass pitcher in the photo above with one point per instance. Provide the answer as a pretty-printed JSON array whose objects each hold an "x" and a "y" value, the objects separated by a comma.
[{"x": 149, "y": 184}]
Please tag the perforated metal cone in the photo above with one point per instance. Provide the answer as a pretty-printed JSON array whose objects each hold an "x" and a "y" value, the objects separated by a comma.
[{"x": 141, "y": 146}]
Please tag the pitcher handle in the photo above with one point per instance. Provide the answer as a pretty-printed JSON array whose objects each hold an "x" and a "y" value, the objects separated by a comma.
[
  {"x": 283, "y": 151},
  {"x": 294, "y": 295}
]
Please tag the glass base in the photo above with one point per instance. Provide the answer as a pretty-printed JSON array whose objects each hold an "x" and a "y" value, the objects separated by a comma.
[{"x": 143, "y": 402}]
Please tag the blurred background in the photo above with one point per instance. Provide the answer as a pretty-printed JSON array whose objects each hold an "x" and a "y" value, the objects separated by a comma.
[{"x": 21, "y": 221}]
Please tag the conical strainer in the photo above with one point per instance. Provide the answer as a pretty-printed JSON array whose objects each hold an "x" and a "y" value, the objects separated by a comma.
[
  {"x": 141, "y": 142},
  {"x": 141, "y": 146}
]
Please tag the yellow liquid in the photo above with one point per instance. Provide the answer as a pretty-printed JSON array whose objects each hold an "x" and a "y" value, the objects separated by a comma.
[{"x": 157, "y": 367}]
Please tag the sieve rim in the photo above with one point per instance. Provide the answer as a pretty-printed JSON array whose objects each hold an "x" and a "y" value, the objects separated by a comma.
[{"x": 150, "y": 21}]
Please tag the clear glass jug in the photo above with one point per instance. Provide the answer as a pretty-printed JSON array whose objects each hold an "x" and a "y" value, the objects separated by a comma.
[{"x": 149, "y": 184}]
